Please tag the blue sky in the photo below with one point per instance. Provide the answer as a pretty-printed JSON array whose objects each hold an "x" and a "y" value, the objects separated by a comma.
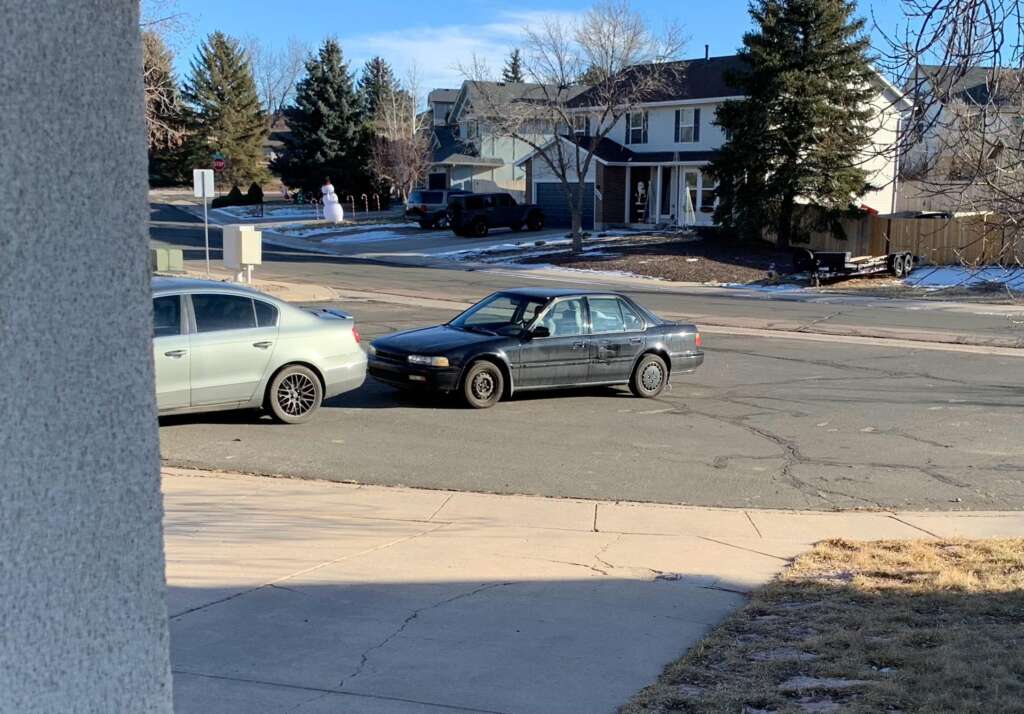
[{"x": 436, "y": 36}]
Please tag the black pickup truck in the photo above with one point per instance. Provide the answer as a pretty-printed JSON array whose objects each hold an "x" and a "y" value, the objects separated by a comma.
[{"x": 475, "y": 214}]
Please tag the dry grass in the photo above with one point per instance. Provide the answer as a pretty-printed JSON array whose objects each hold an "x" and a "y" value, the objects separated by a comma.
[{"x": 909, "y": 626}]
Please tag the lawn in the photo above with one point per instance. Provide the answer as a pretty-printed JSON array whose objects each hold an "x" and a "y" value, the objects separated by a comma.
[{"x": 908, "y": 626}]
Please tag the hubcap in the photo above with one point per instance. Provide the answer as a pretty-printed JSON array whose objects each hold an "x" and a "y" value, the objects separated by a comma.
[
  {"x": 651, "y": 377},
  {"x": 296, "y": 394},
  {"x": 483, "y": 386}
]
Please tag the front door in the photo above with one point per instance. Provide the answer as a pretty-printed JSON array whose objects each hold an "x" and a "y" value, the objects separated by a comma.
[
  {"x": 617, "y": 334},
  {"x": 170, "y": 353},
  {"x": 230, "y": 350},
  {"x": 563, "y": 358}
]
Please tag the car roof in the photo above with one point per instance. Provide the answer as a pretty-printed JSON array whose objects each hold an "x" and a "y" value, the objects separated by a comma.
[
  {"x": 161, "y": 284},
  {"x": 550, "y": 293}
]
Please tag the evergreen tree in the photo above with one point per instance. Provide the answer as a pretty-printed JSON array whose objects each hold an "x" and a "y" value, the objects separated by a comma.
[
  {"x": 803, "y": 126},
  {"x": 513, "y": 71},
  {"x": 375, "y": 81},
  {"x": 227, "y": 117},
  {"x": 329, "y": 137},
  {"x": 165, "y": 112}
]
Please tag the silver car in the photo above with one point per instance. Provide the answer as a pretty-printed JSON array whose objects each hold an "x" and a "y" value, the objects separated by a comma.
[{"x": 221, "y": 346}]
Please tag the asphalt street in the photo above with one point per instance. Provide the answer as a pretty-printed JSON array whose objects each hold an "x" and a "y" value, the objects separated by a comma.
[{"x": 765, "y": 422}]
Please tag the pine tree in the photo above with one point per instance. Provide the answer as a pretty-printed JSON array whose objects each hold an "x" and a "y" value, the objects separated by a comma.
[
  {"x": 165, "y": 112},
  {"x": 803, "y": 126},
  {"x": 376, "y": 79},
  {"x": 227, "y": 117},
  {"x": 513, "y": 72},
  {"x": 329, "y": 137}
]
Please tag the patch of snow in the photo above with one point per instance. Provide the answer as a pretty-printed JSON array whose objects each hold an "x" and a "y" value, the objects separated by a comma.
[
  {"x": 951, "y": 276},
  {"x": 780, "y": 288}
]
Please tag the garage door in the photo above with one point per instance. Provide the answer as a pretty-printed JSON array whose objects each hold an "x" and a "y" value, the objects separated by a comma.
[{"x": 551, "y": 199}]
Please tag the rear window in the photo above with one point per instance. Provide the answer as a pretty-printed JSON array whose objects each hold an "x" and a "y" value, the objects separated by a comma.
[
  {"x": 223, "y": 312},
  {"x": 426, "y": 197}
]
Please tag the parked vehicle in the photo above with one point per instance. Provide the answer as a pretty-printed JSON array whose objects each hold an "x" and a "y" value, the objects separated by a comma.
[
  {"x": 221, "y": 346},
  {"x": 475, "y": 214},
  {"x": 532, "y": 338},
  {"x": 833, "y": 265},
  {"x": 429, "y": 207}
]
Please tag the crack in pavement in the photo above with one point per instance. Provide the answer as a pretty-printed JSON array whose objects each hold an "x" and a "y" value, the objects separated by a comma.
[{"x": 365, "y": 656}]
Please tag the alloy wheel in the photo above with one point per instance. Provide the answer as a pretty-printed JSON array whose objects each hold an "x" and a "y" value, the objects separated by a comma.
[{"x": 296, "y": 394}]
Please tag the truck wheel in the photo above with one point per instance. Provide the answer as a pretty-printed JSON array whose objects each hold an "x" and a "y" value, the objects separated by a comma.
[
  {"x": 536, "y": 221},
  {"x": 426, "y": 225},
  {"x": 479, "y": 228},
  {"x": 516, "y": 227}
]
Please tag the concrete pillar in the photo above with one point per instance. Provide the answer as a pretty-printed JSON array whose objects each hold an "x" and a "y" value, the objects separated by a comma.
[
  {"x": 82, "y": 613},
  {"x": 629, "y": 196}
]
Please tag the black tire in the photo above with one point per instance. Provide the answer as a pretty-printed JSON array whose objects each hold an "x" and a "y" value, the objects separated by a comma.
[
  {"x": 483, "y": 385},
  {"x": 478, "y": 229},
  {"x": 516, "y": 227},
  {"x": 649, "y": 377},
  {"x": 535, "y": 222},
  {"x": 294, "y": 394},
  {"x": 908, "y": 264},
  {"x": 426, "y": 225},
  {"x": 896, "y": 265}
]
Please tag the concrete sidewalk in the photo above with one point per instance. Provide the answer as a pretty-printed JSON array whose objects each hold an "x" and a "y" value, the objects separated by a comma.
[{"x": 315, "y": 597}]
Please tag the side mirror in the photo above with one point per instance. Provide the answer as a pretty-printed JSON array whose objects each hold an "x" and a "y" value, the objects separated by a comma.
[{"x": 539, "y": 331}]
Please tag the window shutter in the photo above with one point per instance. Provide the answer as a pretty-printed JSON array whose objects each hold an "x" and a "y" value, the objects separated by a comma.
[
  {"x": 629, "y": 126},
  {"x": 645, "y": 129},
  {"x": 586, "y": 128},
  {"x": 677, "y": 126},
  {"x": 696, "y": 124}
]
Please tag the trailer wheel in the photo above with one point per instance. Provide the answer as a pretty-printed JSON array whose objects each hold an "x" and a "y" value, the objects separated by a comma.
[
  {"x": 895, "y": 263},
  {"x": 908, "y": 264}
]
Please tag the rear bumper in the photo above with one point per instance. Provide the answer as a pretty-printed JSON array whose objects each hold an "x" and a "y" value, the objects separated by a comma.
[
  {"x": 686, "y": 362},
  {"x": 342, "y": 378},
  {"x": 407, "y": 376}
]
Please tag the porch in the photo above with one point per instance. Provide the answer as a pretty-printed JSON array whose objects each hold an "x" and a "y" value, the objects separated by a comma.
[{"x": 645, "y": 195}]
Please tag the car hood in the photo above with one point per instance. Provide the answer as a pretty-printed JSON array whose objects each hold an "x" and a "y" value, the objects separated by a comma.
[{"x": 432, "y": 340}]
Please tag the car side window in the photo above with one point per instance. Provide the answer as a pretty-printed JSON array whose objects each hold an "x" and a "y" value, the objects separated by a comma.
[
  {"x": 474, "y": 202},
  {"x": 606, "y": 316},
  {"x": 631, "y": 317},
  {"x": 166, "y": 316},
  {"x": 266, "y": 314},
  {"x": 564, "y": 319},
  {"x": 502, "y": 201},
  {"x": 223, "y": 312}
]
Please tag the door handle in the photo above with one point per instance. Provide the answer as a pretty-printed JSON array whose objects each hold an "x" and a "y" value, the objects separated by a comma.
[
  {"x": 635, "y": 340},
  {"x": 262, "y": 345},
  {"x": 175, "y": 353}
]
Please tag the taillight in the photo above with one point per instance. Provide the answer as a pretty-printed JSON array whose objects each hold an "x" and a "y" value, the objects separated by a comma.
[
  {"x": 698, "y": 340},
  {"x": 355, "y": 333}
]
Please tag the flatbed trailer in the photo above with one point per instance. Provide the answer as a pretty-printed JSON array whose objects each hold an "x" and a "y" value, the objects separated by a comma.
[{"x": 834, "y": 265}]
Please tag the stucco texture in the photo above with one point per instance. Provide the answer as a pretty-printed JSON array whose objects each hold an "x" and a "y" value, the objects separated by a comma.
[{"x": 82, "y": 614}]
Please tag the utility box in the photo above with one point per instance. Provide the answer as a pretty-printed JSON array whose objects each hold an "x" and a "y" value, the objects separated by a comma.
[
  {"x": 166, "y": 260},
  {"x": 243, "y": 249}
]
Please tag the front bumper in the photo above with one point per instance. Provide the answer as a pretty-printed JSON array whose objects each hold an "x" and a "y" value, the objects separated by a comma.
[{"x": 410, "y": 376}]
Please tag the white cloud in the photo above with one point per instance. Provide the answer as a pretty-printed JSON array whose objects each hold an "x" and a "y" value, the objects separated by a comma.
[{"x": 437, "y": 51}]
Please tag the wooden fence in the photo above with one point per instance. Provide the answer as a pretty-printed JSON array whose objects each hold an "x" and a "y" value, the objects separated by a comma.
[{"x": 974, "y": 240}]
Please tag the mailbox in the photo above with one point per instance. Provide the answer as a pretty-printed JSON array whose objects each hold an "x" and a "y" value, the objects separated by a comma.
[{"x": 243, "y": 248}]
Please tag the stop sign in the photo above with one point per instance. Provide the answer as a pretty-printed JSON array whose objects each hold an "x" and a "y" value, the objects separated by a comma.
[{"x": 218, "y": 164}]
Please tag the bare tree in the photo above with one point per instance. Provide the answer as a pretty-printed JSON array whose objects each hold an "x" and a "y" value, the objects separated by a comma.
[
  {"x": 626, "y": 64},
  {"x": 962, "y": 64},
  {"x": 276, "y": 72},
  {"x": 165, "y": 113},
  {"x": 401, "y": 151}
]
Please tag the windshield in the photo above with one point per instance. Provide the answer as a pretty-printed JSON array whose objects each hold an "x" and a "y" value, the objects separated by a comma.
[{"x": 501, "y": 314}]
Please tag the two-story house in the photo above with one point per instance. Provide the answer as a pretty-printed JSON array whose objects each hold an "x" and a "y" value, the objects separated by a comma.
[
  {"x": 470, "y": 152},
  {"x": 649, "y": 169},
  {"x": 965, "y": 123}
]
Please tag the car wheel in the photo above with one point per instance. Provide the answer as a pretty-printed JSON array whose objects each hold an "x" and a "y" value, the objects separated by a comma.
[
  {"x": 536, "y": 221},
  {"x": 426, "y": 225},
  {"x": 483, "y": 385},
  {"x": 649, "y": 376},
  {"x": 479, "y": 228},
  {"x": 294, "y": 394}
]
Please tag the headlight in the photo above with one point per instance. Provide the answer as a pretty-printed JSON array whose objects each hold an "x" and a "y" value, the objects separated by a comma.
[
  {"x": 371, "y": 350},
  {"x": 428, "y": 361}
]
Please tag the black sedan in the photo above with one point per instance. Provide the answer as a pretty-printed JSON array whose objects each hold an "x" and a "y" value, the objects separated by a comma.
[{"x": 526, "y": 339}]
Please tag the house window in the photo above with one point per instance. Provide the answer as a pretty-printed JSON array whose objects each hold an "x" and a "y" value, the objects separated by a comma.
[
  {"x": 581, "y": 125},
  {"x": 708, "y": 195},
  {"x": 636, "y": 128},
  {"x": 687, "y": 126}
]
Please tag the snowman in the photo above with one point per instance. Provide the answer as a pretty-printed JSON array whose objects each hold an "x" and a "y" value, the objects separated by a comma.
[{"x": 332, "y": 206}]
